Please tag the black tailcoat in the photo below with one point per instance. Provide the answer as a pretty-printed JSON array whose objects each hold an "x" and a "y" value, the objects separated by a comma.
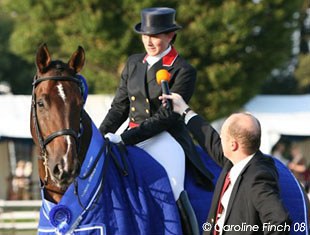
[{"x": 137, "y": 98}]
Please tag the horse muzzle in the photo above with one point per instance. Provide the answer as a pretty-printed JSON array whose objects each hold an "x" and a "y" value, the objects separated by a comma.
[{"x": 65, "y": 168}]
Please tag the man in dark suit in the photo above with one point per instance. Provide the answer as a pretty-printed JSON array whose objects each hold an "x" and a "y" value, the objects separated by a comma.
[{"x": 251, "y": 203}]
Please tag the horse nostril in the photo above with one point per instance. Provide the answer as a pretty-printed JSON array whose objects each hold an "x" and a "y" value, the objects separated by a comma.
[{"x": 58, "y": 171}]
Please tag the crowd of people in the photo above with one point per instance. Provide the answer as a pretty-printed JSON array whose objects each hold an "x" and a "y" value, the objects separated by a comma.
[
  {"x": 20, "y": 182},
  {"x": 291, "y": 154}
]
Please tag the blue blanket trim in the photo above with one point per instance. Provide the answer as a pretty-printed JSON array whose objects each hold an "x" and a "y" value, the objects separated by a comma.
[
  {"x": 93, "y": 229},
  {"x": 294, "y": 199}
]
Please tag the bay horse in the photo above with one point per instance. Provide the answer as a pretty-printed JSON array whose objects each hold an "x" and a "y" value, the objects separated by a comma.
[
  {"x": 57, "y": 106},
  {"x": 81, "y": 189},
  {"x": 91, "y": 186}
]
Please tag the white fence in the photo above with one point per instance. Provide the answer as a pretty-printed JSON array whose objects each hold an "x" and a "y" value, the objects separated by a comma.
[{"x": 19, "y": 215}]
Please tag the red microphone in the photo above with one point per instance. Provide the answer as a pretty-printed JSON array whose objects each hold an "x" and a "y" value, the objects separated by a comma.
[{"x": 163, "y": 77}]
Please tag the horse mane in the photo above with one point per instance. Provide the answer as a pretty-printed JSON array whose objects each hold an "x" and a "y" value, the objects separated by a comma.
[{"x": 85, "y": 136}]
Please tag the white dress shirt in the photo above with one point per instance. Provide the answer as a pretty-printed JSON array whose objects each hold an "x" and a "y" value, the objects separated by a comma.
[
  {"x": 234, "y": 174},
  {"x": 151, "y": 60},
  {"x": 189, "y": 116}
]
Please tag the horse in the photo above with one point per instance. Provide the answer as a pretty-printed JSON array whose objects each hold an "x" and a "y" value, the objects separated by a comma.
[
  {"x": 92, "y": 186},
  {"x": 53, "y": 85}
]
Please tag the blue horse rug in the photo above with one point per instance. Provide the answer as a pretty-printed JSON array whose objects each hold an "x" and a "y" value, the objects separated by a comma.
[
  {"x": 104, "y": 201},
  {"x": 133, "y": 196}
]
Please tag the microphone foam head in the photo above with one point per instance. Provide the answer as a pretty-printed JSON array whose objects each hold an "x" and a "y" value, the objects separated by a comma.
[{"x": 162, "y": 75}]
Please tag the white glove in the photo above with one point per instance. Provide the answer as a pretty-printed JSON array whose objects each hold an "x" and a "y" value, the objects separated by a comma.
[{"x": 113, "y": 138}]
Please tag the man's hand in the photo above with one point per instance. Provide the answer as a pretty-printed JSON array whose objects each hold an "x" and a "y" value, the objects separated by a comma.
[
  {"x": 179, "y": 105},
  {"x": 114, "y": 138}
]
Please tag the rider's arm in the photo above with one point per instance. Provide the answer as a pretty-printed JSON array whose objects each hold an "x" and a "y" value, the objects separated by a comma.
[
  {"x": 163, "y": 119},
  {"x": 118, "y": 113}
]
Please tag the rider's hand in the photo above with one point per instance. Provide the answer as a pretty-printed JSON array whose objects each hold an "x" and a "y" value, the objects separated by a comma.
[{"x": 114, "y": 138}]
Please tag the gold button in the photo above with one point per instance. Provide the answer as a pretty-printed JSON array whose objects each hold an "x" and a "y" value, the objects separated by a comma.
[
  {"x": 132, "y": 119},
  {"x": 147, "y": 111},
  {"x": 147, "y": 100},
  {"x": 133, "y": 98},
  {"x": 133, "y": 109}
]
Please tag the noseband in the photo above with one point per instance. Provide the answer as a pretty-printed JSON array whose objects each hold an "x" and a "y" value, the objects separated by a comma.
[{"x": 43, "y": 142}]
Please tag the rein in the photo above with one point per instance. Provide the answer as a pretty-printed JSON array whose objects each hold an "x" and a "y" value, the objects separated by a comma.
[{"x": 43, "y": 142}]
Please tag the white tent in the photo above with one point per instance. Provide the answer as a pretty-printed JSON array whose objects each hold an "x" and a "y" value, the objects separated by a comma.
[
  {"x": 15, "y": 116},
  {"x": 280, "y": 115},
  {"x": 15, "y": 113}
]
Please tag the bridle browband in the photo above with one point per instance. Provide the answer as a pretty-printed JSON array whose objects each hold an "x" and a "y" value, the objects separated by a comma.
[{"x": 43, "y": 142}]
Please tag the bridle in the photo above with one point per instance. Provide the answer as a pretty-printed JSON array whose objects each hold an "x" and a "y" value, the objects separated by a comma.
[
  {"x": 106, "y": 147},
  {"x": 43, "y": 142}
]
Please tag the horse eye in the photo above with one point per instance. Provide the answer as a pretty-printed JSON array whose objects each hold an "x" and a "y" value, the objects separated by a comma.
[{"x": 40, "y": 103}]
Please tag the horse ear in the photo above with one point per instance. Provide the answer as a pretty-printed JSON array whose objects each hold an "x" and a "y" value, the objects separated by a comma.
[
  {"x": 43, "y": 58},
  {"x": 77, "y": 60}
]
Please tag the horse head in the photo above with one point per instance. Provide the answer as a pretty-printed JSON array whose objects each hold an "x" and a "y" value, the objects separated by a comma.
[{"x": 57, "y": 105}]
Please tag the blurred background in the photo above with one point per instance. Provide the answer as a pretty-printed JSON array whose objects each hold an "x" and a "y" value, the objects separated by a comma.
[{"x": 251, "y": 55}]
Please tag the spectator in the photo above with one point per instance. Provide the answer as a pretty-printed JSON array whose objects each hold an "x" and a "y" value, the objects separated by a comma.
[
  {"x": 278, "y": 151},
  {"x": 252, "y": 194},
  {"x": 298, "y": 165}
]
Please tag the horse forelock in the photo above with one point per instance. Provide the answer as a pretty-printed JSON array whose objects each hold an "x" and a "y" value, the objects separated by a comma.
[{"x": 56, "y": 68}]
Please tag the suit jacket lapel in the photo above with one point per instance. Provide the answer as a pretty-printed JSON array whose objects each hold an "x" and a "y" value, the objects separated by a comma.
[
  {"x": 233, "y": 196},
  {"x": 165, "y": 62},
  {"x": 237, "y": 185},
  {"x": 140, "y": 76},
  {"x": 218, "y": 189},
  {"x": 151, "y": 78},
  {"x": 151, "y": 73}
]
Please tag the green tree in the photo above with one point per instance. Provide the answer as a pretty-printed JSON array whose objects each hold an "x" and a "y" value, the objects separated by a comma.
[
  {"x": 13, "y": 68},
  {"x": 292, "y": 77},
  {"x": 64, "y": 25},
  {"x": 233, "y": 44},
  {"x": 302, "y": 73}
]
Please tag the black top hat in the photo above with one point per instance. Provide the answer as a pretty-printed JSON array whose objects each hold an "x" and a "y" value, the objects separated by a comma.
[{"x": 157, "y": 20}]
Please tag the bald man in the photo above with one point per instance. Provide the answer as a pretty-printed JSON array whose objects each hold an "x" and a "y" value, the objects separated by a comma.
[{"x": 251, "y": 202}]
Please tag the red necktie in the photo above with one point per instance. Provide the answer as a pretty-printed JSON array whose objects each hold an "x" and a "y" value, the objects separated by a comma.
[{"x": 220, "y": 206}]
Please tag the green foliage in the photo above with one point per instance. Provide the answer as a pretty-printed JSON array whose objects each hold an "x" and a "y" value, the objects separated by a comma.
[
  {"x": 13, "y": 69},
  {"x": 302, "y": 73},
  {"x": 233, "y": 44}
]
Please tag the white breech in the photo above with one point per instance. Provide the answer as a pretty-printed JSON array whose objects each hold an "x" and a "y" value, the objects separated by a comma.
[{"x": 169, "y": 153}]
